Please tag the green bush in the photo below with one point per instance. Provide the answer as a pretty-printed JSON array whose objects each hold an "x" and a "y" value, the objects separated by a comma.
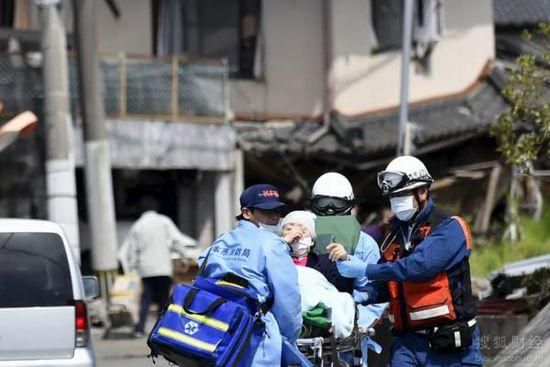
[{"x": 534, "y": 241}]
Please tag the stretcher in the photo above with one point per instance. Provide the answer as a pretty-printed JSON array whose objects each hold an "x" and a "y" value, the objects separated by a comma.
[{"x": 328, "y": 351}]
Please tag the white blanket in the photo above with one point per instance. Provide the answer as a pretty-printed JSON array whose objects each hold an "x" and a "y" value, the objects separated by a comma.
[{"x": 316, "y": 289}]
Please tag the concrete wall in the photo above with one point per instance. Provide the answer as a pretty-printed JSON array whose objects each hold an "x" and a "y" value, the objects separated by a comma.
[
  {"x": 362, "y": 81},
  {"x": 131, "y": 33}
]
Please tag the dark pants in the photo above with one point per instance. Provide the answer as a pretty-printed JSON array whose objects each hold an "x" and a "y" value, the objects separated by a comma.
[
  {"x": 410, "y": 349},
  {"x": 155, "y": 290}
]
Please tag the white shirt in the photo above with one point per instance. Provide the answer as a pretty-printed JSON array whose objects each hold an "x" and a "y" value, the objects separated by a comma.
[{"x": 148, "y": 247}]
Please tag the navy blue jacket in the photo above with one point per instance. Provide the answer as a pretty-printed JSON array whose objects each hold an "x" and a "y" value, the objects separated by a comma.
[{"x": 444, "y": 249}]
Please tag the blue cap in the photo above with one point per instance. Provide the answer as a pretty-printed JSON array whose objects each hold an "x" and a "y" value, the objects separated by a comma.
[{"x": 262, "y": 196}]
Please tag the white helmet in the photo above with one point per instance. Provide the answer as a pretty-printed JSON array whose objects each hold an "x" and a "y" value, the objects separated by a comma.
[
  {"x": 402, "y": 174},
  {"x": 332, "y": 194},
  {"x": 333, "y": 184}
]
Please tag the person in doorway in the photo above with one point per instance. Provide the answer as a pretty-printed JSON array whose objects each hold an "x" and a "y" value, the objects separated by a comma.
[
  {"x": 254, "y": 252},
  {"x": 147, "y": 251},
  {"x": 424, "y": 274}
]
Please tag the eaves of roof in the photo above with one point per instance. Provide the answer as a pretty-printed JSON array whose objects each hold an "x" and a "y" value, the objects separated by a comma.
[
  {"x": 358, "y": 138},
  {"x": 520, "y": 13}
]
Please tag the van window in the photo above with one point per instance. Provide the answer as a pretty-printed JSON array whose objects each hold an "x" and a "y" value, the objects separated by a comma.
[{"x": 34, "y": 270}]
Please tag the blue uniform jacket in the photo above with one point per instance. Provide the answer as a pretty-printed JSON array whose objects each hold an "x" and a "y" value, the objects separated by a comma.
[
  {"x": 367, "y": 250},
  {"x": 442, "y": 250},
  {"x": 264, "y": 260}
]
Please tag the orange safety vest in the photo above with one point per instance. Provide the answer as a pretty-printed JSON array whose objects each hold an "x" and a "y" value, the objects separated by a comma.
[{"x": 443, "y": 299}]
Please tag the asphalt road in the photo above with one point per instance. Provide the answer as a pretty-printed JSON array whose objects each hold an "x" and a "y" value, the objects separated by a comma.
[
  {"x": 121, "y": 350},
  {"x": 131, "y": 362}
]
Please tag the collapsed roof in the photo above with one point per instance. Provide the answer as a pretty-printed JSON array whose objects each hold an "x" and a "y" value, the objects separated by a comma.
[{"x": 361, "y": 139}]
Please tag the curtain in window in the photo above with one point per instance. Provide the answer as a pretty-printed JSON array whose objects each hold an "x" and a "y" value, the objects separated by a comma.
[
  {"x": 170, "y": 32},
  {"x": 211, "y": 29},
  {"x": 387, "y": 20},
  {"x": 258, "y": 69},
  {"x": 428, "y": 22}
]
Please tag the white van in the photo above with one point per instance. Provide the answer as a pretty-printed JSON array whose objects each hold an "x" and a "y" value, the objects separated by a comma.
[{"x": 43, "y": 316}]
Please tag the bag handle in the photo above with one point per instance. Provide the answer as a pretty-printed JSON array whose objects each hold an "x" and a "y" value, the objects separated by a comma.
[{"x": 190, "y": 297}]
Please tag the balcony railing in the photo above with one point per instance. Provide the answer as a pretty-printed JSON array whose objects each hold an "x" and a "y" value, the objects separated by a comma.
[{"x": 145, "y": 87}]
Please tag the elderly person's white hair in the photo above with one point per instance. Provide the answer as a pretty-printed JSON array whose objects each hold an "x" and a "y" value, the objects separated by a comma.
[{"x": 303, "y": 217}]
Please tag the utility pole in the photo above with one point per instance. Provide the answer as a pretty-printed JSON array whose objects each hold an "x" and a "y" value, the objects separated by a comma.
[
  {"x": 99, "y": 189},
  {"x": 60, "y": 179},
  {"x": 408, "y": 6}
]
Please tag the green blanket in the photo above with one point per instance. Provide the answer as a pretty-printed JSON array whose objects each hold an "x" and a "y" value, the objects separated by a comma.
[
  {"x": 316, "y": 322},
  {"x": 317, "y": 316}
]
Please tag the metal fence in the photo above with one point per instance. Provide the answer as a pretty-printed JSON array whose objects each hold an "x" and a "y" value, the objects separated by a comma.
[{"x": 145, "y": 87}]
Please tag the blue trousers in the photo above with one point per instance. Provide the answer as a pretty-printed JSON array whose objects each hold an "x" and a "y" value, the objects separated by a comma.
[{"x": 410, "y": 349}]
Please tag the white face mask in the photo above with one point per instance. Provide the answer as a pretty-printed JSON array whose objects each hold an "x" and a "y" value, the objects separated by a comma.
[
  {"x": 403, "y": 207},
  {"x": 301, "y": 248},
  {"x": 273, "y": 228}
]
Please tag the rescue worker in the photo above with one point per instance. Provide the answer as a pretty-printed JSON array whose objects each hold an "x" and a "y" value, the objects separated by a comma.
[
  {"x": 424, "y": 274},
  {"x": 332, "y": 195},
  {"x": 252, "y": 252}
]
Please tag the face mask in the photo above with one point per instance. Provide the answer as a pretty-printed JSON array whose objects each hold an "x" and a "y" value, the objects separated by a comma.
[
  {"x": 273, "y": 228},
  {"x": 403, "y": 207},
  {"x": 301, "y": 248}
]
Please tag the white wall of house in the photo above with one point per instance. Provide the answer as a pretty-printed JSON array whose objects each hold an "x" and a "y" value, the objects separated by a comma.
[
  {"x": 131, "y": 33},
  {"x": 292, "y": 62},
  {"x": 364, "y": 82},
  {"x": 361, "y": 81},
  {"x": 292, "y": 76}
]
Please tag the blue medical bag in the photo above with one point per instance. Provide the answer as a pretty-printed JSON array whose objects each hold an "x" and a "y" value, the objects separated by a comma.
[{"x": 215, "y": 322}]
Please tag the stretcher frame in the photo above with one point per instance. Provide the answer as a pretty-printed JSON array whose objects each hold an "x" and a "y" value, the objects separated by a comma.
[{"x": 325, "y": 351}]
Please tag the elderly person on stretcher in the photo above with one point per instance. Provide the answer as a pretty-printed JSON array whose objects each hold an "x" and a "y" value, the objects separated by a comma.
[{"x": 321, "y": 286}]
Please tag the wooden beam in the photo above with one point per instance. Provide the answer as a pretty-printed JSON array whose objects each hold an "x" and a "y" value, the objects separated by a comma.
[
  {"x": 476, "y": 166},
  {"x": 443, "y": 183},
  {"x": 484, "y": 221}
]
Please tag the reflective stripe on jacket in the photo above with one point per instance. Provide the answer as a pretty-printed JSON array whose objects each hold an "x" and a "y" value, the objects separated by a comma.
[
  {"x": 263, "y": 259},
  {"x": 437, "y": 299}
]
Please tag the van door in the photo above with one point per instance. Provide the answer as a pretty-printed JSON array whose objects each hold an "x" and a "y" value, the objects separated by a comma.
[{"x": 37, "y": 313}]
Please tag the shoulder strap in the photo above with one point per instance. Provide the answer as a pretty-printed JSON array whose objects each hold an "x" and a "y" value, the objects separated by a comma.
[
  {"x": 436, "y": 217},
  {"x": 266, "y": 306},
  {"x": 465, "y": 229}
]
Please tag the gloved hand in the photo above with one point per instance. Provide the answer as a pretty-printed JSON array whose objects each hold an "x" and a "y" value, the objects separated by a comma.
[
  {"x": 352, "y": 267},
  {"x": 361, "y": 297}
]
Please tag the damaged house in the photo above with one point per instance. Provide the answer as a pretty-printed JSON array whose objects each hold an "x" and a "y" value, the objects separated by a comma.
[
  {"x": 325, "y": 96},
  {"x": 289, "y": 90}
]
